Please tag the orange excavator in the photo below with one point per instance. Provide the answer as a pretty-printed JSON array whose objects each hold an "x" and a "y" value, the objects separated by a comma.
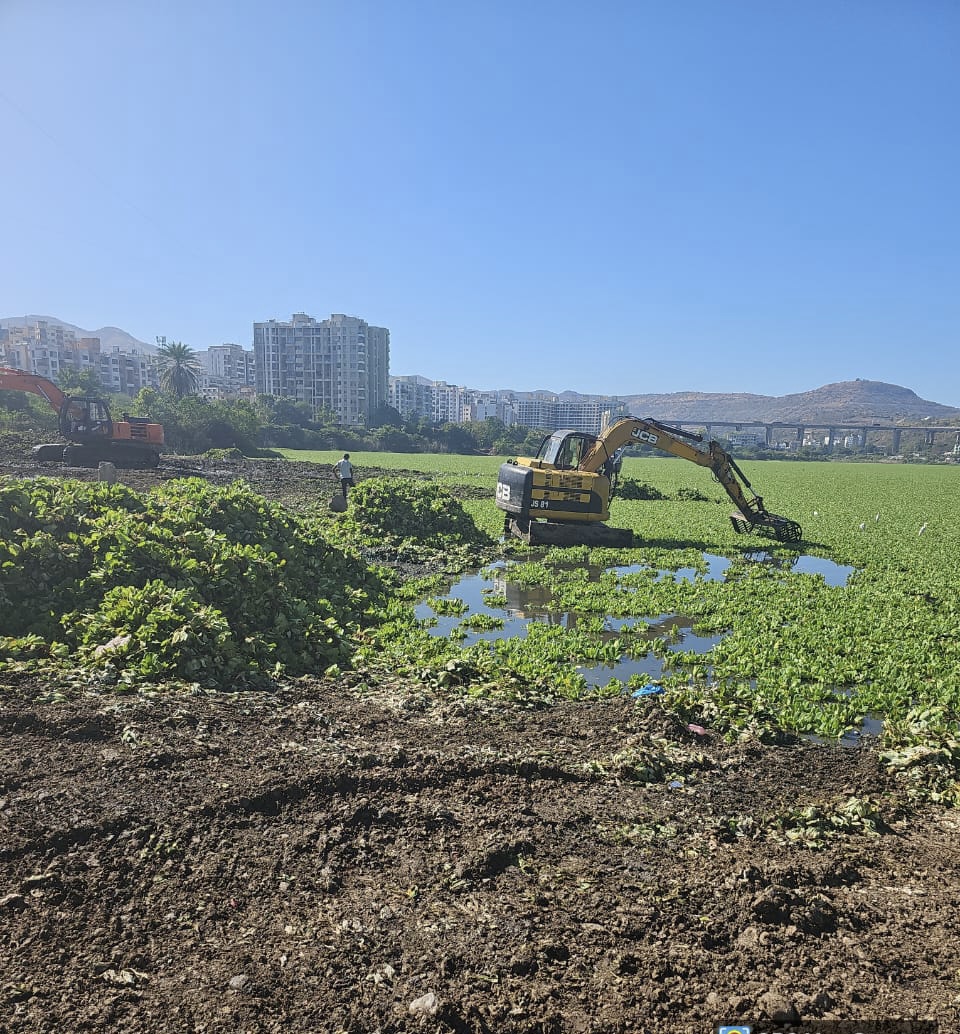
[{"x": 85, "y": 421}]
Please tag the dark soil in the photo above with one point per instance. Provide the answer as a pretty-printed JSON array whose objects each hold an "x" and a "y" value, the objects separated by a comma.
[
  {"x": 356, "y": 855},
  {"x": 295, "y": 484}
]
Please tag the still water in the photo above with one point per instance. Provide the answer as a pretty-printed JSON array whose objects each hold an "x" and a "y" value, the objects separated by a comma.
[{"x": 526, "y": 604}]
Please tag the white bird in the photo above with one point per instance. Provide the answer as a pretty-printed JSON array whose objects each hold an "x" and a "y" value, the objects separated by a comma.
[
  {"x": 877, "y": 517},
  {"x": 863, "y": 524},
  {"x": 816, "y": 513},
  {"x": 923, "y": 528}
]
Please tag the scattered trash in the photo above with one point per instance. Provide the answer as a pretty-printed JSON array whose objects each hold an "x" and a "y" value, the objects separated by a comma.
[
  {"x": 124, "y": 977},
  {"x": 425, "y": 1005},
  {"x": 697, "y": 729},
  {"x": 675, "y": 784},
  {"x": 649, "y": 690}
]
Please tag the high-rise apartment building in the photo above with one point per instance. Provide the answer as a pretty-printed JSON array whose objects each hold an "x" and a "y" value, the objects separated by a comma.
[
  {"x": 41, "y": 348},
  {"x": 341, "y": 363},
  {"x": 229, "y": 372},
  {"x": 127, "y": 372}
]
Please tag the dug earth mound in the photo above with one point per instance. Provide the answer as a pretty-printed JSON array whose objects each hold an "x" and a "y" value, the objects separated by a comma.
[
  {"x": 343, "y": 856},
  {"x": 362, "y": 852}
]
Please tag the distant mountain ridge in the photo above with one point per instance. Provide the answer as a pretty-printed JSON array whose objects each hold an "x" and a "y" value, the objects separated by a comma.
[
  {"x": 857, "y": 401},
  {"x": 110, "y": 337}
]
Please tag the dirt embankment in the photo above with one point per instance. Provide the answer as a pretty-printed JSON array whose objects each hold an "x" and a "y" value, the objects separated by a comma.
[{"x": 339, "y": 857}]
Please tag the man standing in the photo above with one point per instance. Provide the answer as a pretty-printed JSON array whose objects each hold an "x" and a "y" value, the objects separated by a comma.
[{"x": 344, "y": 471}]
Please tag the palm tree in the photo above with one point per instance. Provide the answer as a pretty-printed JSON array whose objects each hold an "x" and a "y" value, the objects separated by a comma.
[{"x": 179, "y": 367}]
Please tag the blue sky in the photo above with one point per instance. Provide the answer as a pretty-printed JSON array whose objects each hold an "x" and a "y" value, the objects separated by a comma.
[{"x": 748, "y": 195}]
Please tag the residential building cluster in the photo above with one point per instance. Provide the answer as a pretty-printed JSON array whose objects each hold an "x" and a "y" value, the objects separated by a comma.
[
  {"x": 338, "y": 366},
  {"x": 439, "y": 402},
  {"x": 49, "y": 350},
  {"x": 228, "y": 372}
]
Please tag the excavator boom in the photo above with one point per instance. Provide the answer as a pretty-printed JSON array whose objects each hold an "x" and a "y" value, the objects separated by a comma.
[{"x": 21, "y": 380}]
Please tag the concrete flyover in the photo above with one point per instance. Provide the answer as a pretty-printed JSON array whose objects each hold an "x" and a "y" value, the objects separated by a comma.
[{"x": 831, "y": 431}]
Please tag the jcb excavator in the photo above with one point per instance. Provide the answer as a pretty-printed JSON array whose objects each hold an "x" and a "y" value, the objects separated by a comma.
[
  {"x": 86, "y": 424},
  {"x": 563, "y": 496}
]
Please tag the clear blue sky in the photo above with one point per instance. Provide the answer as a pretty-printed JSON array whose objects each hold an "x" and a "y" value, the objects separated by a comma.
[{"x": 747, "y": 195}]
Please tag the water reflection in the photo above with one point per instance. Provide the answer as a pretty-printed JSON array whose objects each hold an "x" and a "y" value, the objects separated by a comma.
[
  {"x": 516, "y": 605},
  {"x": 716, "y": 570},
  {"x": 535, "y": 603},
  {"x": 832, "y": 573},
  {"x": 871, "y": 728}
]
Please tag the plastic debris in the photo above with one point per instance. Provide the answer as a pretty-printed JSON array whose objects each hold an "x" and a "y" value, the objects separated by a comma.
[
  {"x": 698, "y": 729},
  {"x": 649, "y": 690}
]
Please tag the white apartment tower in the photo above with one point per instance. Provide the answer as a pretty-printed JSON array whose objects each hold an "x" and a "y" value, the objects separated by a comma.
[
  {"x": 230, "y": 363},
  {"x": 341, "y": 363},
  {"x": 411, "y": 396}
]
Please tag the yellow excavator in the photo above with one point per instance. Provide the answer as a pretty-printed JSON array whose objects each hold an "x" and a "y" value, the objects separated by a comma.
[{"x": 562, "y": 496}]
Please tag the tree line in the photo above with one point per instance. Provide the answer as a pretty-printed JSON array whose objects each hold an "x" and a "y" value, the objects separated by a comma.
[{"x": 193, "y": 424}]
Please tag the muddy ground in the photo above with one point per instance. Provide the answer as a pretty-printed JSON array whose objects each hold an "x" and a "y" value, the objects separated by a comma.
[{"x": 358, "y": 855}]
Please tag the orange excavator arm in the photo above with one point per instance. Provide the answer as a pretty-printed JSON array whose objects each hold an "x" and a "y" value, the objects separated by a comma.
[{"x": 21, "y": 380}]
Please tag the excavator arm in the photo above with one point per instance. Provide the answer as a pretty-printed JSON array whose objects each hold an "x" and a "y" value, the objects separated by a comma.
[
  {"x": 751, "y": 515},
  {"x": 21, "y": 380}
]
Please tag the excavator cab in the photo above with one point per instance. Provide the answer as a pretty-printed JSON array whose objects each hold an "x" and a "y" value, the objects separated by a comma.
[
  {"x": 84, "y": 419},
  {"x": 563, "y": 450}
]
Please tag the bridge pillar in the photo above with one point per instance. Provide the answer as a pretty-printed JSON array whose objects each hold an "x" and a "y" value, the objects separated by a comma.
[
  {"x": 831, "y": 434},
  {"x": 896, "y": 440}
]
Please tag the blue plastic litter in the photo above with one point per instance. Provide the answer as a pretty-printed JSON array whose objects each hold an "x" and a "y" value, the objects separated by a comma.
[{"x": 649, "y": 690}]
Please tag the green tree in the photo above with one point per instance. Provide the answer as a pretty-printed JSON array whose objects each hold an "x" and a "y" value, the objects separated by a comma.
[
  {"x": 192, "y": 424},
  {"x": 179, "y": 367},
  {"x": 457, "y": 438},
  {"x": 79, "y": 382},
  {"x": 283, "y": 411},
  {"x": 385, "y": 416}
]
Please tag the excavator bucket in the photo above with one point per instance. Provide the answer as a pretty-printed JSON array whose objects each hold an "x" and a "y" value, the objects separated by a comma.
[{"x": 771, "y": 524}]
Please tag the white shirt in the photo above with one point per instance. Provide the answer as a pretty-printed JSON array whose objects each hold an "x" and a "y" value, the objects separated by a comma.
[{"x": 344, "y": 469}]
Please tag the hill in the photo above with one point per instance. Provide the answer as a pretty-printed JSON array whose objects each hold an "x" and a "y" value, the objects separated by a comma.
[{"x": 855, "y": 401}]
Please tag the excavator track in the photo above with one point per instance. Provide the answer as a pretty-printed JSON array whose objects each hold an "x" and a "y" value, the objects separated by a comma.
[{"x": 557, "y": 533}]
